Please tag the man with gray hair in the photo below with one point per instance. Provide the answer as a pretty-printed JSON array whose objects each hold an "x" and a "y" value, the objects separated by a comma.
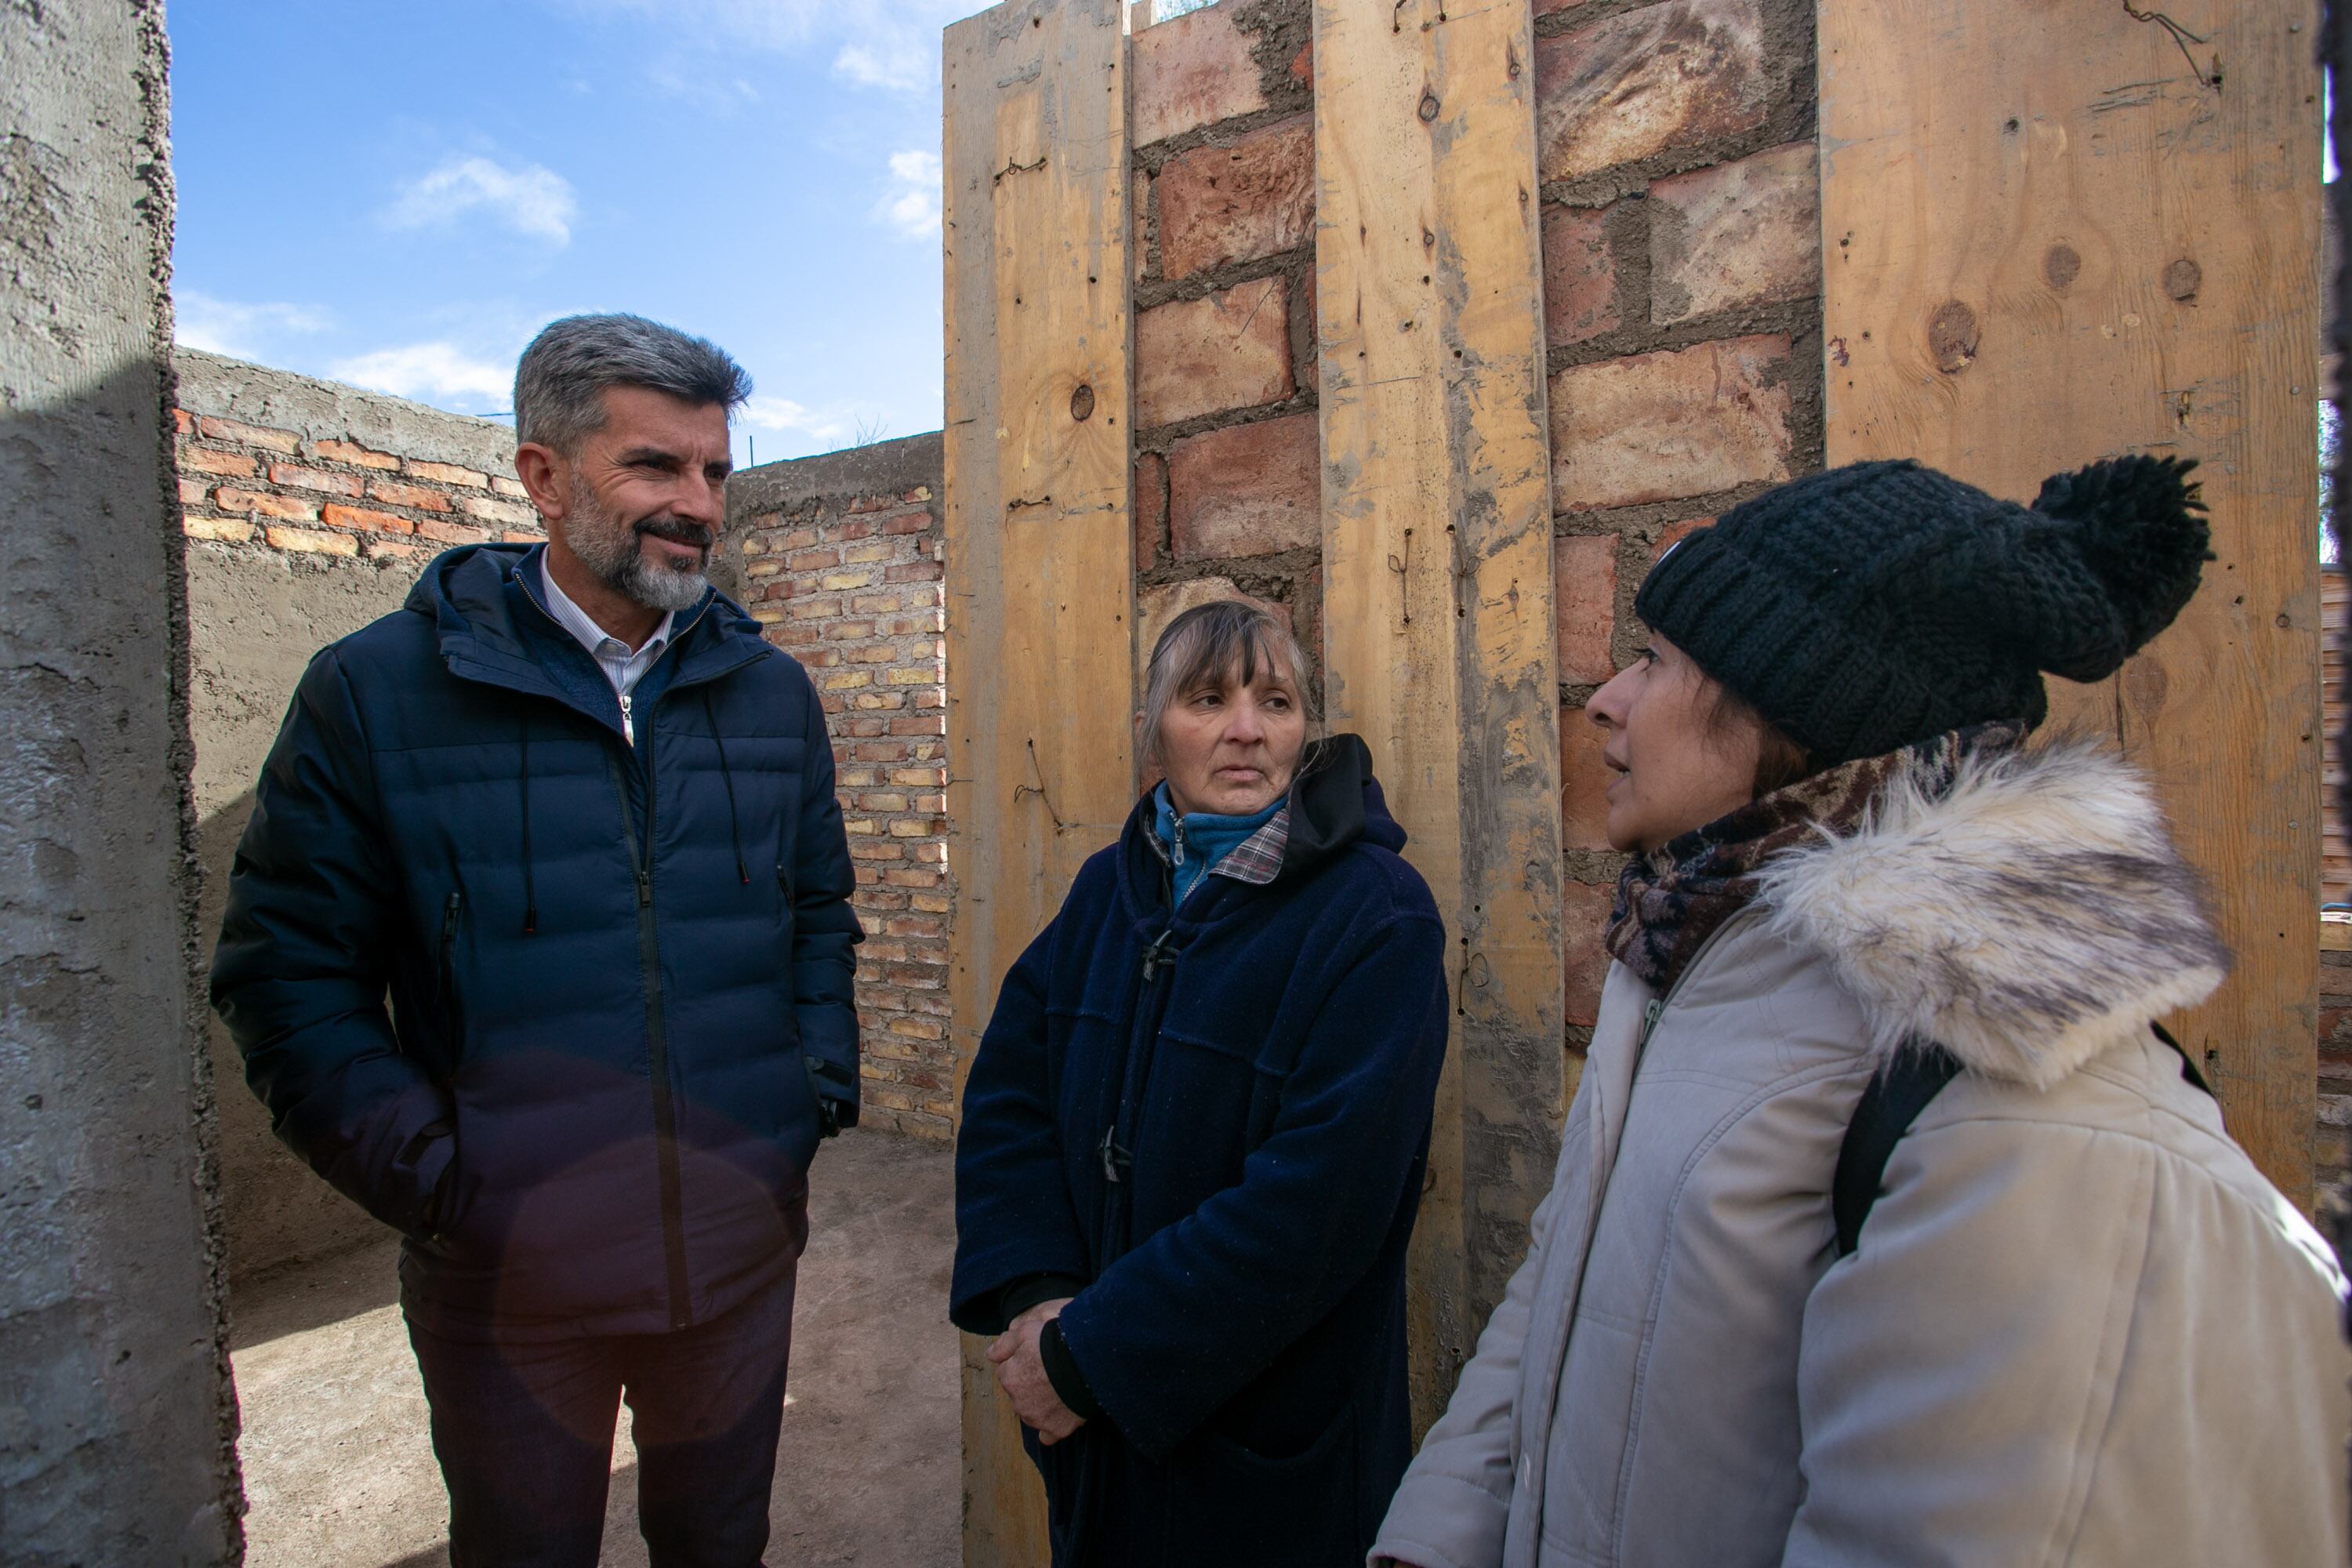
[{"x": 574, "y": 820}]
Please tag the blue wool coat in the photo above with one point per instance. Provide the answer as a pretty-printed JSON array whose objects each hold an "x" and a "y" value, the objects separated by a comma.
[
  {"x": 619, "y": 976},
  {"x": 1213, "y": 1125}
]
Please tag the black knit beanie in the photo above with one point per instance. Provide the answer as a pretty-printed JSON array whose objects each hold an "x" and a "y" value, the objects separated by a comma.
[{"x": 1878, "y": 604}]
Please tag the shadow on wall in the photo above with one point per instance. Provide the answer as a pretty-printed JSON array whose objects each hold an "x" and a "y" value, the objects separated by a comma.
[{"x": 256, "y": 617}]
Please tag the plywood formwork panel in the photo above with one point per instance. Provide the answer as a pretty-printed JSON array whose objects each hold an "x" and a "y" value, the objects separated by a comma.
[
  {"x": 1438, "y": 624},
  {"x": 2058, "y": 232},
  {"x": 1040, "y": 572}
]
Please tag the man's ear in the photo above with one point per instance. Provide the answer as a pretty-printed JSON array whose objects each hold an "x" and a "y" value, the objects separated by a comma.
[{"x": 542, "y": 473}]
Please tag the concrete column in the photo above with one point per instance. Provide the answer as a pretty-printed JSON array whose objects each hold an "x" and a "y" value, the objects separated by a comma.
[{"x": 117, "y": 1427}]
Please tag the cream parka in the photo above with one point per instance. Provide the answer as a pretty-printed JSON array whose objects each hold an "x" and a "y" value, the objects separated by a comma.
[{"x": 2079, "y": 1327}]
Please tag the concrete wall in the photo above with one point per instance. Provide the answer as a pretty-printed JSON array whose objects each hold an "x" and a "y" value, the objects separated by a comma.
[
  {"x": 116, "y": 1425},
  {"x": 308, "y": 510},
  {"x": 839, "y": 557}
]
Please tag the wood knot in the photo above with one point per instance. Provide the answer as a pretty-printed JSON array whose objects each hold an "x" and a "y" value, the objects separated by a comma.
[
  {"x": 1082, "y": 403},
  {"x": 1428, "y": 106},
  {"x": 2062, "y": 266},
  {"x": 1952, "y": 337},
  {"x": 2183, "y": 278}
]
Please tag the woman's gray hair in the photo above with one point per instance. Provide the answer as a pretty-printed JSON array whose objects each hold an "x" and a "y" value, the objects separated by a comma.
[
  {"x": 1210, "y": 642},
  {"x": 560, "y": 382}
]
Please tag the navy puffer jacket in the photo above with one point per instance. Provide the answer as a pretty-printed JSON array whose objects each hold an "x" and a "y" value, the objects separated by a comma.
[
  {"x": 1212, "y": 1124},
  {"x": 618, "y": 975}
]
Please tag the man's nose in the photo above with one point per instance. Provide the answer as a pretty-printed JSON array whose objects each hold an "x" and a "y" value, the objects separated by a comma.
[{"x": 700, "y": 500}]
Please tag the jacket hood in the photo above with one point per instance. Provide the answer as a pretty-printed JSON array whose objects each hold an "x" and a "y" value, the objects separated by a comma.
[
  {"x": 2026, "y": 919},
  {"x": 1334, "y": 801}
]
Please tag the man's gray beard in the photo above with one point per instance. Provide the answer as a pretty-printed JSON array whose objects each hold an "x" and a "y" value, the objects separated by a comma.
[{"x": 612, "y": 550}]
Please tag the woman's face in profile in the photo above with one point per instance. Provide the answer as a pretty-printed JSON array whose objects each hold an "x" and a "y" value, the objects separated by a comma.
[
  {"x": 1231, "y": 747},
  {"x": 1677, "y": 765}
]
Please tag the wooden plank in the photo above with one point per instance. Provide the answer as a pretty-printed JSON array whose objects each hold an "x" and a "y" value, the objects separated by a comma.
[
  {"x": 2051, "y": 236},
  {"x": 1039, "y": 548},
  {"x": 1438, "y": 630}
]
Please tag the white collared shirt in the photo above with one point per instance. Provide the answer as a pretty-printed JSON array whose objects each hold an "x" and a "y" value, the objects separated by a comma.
[{"x": 622, "y": 667}]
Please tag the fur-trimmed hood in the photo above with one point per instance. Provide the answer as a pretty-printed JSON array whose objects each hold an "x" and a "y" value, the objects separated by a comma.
[{"x": 2026, "y": 919}]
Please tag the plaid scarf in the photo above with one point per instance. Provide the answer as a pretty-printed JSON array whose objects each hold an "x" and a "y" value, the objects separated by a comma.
[{"x": 1671, "y": 898}]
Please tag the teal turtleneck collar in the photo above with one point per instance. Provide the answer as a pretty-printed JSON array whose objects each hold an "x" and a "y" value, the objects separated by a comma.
[{"x": 1195, "y": 841}]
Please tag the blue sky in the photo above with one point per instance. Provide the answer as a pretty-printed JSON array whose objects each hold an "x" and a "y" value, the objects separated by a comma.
[{"x": 399, "y": 195}]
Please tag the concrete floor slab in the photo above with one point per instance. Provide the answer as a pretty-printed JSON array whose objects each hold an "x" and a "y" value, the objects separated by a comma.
[{"x": 339, "y": 1469}]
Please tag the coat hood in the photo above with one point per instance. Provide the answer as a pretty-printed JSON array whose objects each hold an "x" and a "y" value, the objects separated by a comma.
[
  {"x": 1334, "y": 801},
  {"x": 2026, "y": 919}
]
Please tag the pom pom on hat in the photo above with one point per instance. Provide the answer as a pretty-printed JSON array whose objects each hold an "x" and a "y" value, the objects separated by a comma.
[{"x": 2140, "y": 527}]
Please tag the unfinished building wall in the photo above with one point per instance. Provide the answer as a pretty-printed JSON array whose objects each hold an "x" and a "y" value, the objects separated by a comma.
[
  {"x": 1682, "y": 278},
  {"x": 308, "y": 508},
  {"x": 838, "y": 556},
  {"x": 1228, "y": 477},
  {"x": 117, "y": 1427},
  {"x": 1682, "y": 281},
  {"x": 1680, "y": 220}
]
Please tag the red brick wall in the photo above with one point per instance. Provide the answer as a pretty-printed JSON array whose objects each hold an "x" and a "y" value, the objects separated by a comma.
[
  {"x": 313, "y": 484},
  {"x": 1228, "y": 474},
  {"x": 1682, "y": 281},
  {"x": 839, "y": 559}
]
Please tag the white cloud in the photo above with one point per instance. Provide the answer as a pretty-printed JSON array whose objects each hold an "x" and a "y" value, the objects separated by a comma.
[
  {"x": 532, "y": 200},
  {"x": 219, "y": 326},
  {"x": 911, "y": 204},
  {"x": 781, "y": 414},
  {"x": 430, "y": 373}
]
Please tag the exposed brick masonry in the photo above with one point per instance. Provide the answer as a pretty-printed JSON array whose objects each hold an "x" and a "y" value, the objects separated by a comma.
[
  {"x": 1682, "y": 281},
  {"x": 1228, "y": 478},
  {"x": 839, "y": 559},
  {"x": 269, "y": 489}
]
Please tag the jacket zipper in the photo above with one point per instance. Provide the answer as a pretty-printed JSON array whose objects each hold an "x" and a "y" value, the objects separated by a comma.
[
  {"x": 1657, "y": 1004},
  {"x": 657, "y": 1042},
  {"x": 628, "y": 720},
  {"x": 1151, "y": 1006},
  {"x": 1651, "y": 1012},
  {"x": 446, "y": 981}
]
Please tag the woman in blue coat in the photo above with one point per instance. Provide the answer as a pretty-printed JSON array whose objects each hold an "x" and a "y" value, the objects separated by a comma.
[{"x": 1195, "y": 1135}]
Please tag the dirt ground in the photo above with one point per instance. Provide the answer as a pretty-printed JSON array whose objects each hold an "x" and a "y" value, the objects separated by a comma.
[{"x": 339, "y": 1470}]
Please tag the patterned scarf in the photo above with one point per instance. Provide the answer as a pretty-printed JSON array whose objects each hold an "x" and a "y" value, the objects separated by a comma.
[{"x": 1671, "y": 899}]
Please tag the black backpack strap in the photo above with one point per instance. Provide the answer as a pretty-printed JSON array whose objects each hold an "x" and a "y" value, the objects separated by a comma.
[
  {"x": 1889, "y": 1105},
  {"x": 1914, "y": 1076},
  {"x": 2187, "y": 1063}
]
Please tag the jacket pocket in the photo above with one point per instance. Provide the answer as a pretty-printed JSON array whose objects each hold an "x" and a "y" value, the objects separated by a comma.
[{"x": 1232, "y": 1503}]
